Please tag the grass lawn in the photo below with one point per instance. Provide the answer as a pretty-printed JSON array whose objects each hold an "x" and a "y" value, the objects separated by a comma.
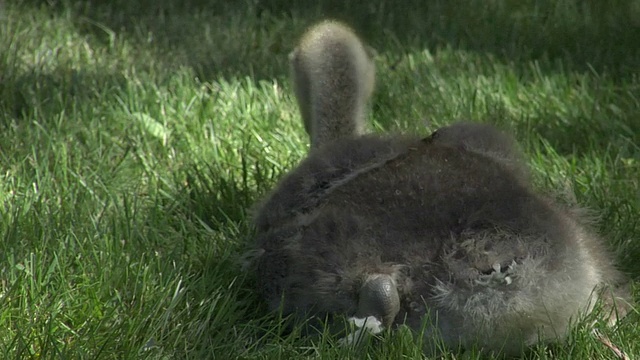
[{"x": 136, "y": 135}]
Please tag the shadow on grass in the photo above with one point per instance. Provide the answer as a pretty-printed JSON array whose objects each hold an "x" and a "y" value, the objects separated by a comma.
[
  {"x": 35, "y": 93},
  {"x": 221, "y": 200},
  {"x": 582, "y": 35}
]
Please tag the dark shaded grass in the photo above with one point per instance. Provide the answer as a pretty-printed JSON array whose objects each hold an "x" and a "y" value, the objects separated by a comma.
[{"x": 571, "y": 35}]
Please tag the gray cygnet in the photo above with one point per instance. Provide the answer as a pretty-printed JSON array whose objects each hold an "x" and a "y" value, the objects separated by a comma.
[{"x": 445, "y": 229}]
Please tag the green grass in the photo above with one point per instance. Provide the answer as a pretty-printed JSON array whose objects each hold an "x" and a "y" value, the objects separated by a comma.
[{"x": 136, "y": 135}]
